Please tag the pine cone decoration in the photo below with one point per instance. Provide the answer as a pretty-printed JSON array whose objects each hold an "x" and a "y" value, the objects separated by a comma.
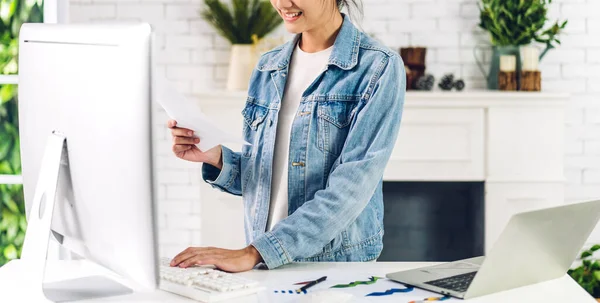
[
  {"x": 459, "y": 85},
  {"x": 425, "y": 82},
  {"x": 447, "y": 82}
]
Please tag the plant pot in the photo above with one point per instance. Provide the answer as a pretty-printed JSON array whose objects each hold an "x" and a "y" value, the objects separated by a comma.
[
  {"x": 497, "y": 51},
  {"x": 241, "y": 64}
]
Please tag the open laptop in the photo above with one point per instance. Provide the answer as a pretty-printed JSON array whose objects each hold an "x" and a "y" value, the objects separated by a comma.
[{"x": 535, "y": 246}]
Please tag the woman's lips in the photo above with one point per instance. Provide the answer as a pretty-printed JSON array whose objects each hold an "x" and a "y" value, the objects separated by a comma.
[{"x": 291, "y": 17}]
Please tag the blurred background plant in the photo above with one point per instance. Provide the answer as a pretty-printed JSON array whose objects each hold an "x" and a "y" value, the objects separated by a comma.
[
  {"x": 520, "y": 22},
  {"x": 13, "y": 13},
  {"x": 587, "y": 274},
  {"x": 244, "y": 21}
]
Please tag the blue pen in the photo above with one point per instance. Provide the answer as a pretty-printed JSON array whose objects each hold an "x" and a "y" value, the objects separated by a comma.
[{"x": 311, "y": 284}]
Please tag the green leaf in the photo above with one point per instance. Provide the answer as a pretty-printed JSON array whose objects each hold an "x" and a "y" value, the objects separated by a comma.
[
  {"x": 6, "y": 144},
  {"x": 4, "y": 224},
  {"x": 5, "y": 11},
  {"x": 587, "y": 263},
  {"x": 7, "y": 92},
  {"x": 36, "y": 14},
  {"x": 10, "y": 252},
  {"x": 517, "y": 22},
  {"x": 23, "y": 223},
  {"x": 12, "y": 205},
  {"x": 11, "y": 232},
  {"x": 585, "y": 254},
  {"x": 589, "y": 288},
  {"x": 19, "y": 239},
  {"x": 245, "y": 19}
]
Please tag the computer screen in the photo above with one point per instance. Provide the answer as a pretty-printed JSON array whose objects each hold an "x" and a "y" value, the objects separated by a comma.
[{"x": 92, "y": 83}]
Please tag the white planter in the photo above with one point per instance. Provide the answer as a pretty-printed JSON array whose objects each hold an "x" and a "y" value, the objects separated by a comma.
[{"x": 241, "y": 64}]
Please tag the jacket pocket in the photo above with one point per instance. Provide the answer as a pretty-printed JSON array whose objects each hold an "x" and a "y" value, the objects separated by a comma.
[
  {"x": 254, "y": 116},
  {"x": 334, "y": 122}
]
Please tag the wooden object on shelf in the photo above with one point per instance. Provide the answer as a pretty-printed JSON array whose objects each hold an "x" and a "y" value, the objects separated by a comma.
[
  {"x": 411, "y": 77},
  {"x": 531, "y": 81},
  {"x": 414, "y": 60},
  {"x": 508, "y": 63},
  {"x": 531, "y": 58},
  {"x": 507, "y": 81}
]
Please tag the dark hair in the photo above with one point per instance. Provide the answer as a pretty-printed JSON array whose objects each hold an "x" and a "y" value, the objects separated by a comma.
[{"x": 353, "y": 7}]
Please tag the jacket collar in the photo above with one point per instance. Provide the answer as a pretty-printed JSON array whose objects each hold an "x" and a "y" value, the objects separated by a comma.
[{"x": 344, "y": 54}]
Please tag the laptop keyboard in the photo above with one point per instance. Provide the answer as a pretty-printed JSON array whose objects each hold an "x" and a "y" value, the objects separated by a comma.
[{"x": 458, "y": 283}]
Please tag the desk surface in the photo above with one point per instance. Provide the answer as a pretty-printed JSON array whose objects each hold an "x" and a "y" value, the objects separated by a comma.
[{"x": 560, "y": 290}]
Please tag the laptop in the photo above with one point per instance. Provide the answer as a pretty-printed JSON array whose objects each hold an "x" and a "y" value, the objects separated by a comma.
[{"x": 535, "y": 246}]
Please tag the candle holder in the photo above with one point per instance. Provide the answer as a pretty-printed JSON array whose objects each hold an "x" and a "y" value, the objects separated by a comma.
[
  {"x": 507, "y": 76},
  {"x": 531, "y": 77},
  {"x": 531, "y": 81},
  {"x": 507, "y": 81}
]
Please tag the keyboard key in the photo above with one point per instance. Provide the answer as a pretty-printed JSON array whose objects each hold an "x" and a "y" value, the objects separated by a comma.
[
  {"x": 458, "y": 283},
  {"x": 204, "y": 284}
]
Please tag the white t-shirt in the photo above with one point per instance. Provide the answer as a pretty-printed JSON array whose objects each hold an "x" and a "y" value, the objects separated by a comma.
[{"x": 304, "y": 69}]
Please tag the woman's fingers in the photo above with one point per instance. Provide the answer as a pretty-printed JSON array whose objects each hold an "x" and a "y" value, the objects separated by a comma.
[
  {"x": 181, "y": 147},
  {"x": 181, "y": 132},
  {"x": 201, "y": 258},
  {"x": 182, "y": 256},
  {"x": 195, "y": 260},
  {"x": 185, "y": 140},
  {"x": 193, "y": 254}
]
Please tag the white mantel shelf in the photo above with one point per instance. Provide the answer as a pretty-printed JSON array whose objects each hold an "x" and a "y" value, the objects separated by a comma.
[
  {"x": 513, "y": 142},
  {"x": 437, "y": 99}
]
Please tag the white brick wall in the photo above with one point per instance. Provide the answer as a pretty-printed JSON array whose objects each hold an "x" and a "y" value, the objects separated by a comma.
[{"x": 195, "y": 58}]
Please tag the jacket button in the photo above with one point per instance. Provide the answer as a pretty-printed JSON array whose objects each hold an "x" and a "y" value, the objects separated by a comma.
[{"x": 283, "y": 75}]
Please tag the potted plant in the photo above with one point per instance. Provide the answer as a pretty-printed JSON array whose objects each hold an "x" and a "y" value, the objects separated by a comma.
[
  {"x": 13, "y": 222},
  {"x": 587, "y": 275},
  {"x": 243, "y": 24},
  {"x": 512, "y": 24}
]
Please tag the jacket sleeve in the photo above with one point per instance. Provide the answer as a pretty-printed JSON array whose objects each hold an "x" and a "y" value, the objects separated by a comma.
[
  {"x": 350, "y": 186},
  {"x": 228, "y": 178}
]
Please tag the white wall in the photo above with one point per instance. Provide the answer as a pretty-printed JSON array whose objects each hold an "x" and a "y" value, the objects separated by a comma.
[{"x": 195, "y": 58}]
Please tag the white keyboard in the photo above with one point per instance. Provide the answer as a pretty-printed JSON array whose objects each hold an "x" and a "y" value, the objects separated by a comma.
[{"x": 204, "y": 284}]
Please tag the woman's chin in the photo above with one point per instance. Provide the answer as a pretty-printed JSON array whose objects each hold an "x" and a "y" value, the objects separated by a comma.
[{"x": 293, "y": 28}]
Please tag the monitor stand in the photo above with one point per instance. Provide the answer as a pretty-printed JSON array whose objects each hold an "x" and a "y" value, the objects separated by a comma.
[{"x": 23, "y": 279}]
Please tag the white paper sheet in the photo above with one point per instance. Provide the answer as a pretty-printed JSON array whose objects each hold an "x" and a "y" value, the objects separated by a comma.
[
  {"x": 277, "y": 292},
  {"x": 189, "y": 115}
]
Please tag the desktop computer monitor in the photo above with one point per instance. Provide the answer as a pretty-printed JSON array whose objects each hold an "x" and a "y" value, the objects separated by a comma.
[{"x": 91, "y": 84}]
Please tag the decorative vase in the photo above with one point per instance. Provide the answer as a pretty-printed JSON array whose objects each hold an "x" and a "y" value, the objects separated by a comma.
[
  {"x": 497, "y": 51},
  {"x": 241, "y": 64}
]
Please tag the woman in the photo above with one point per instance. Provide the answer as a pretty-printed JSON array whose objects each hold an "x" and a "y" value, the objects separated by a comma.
[{"x": 322, "y": 114}]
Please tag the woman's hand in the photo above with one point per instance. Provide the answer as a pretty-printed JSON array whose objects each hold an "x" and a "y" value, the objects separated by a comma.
[
  {"x": 184, "y": 147},
  {"x": 224, "y": 259}
]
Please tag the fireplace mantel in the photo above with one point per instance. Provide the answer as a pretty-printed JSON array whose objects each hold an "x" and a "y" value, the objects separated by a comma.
[{"x": 512, "y": 141}]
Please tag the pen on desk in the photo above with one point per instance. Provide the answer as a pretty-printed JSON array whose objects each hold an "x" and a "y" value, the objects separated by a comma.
[{"x": 313, "y": 283}]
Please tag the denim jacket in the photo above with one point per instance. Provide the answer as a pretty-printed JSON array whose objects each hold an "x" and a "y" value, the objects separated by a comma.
[{"x": 341, "y": 140}]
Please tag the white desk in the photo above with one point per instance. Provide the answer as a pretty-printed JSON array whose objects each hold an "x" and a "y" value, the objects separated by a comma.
[{"x": 561, "y": 290}]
